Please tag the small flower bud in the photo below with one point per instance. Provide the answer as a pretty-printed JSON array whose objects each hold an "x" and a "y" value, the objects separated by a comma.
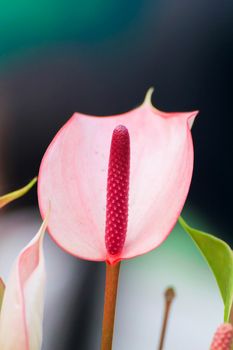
[{"x": 169, "y": 294}]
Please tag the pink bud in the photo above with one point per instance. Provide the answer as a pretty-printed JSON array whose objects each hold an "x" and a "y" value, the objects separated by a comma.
[{"x": 223, "y": 337}]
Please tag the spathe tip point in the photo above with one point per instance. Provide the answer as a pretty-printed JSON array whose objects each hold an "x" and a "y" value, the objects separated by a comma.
[{"x": 148, "y": 96}]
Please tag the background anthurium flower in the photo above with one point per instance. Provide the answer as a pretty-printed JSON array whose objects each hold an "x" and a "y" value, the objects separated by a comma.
[
  {"x": 9, "y": 197},
  {"x": 22, "y": 305},
  {"x": 223, "y": 337},
  {"x": 73, "y": 177}
]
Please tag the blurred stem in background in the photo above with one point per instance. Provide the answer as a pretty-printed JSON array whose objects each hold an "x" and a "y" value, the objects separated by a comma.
[{"x": 169, "y": 296}]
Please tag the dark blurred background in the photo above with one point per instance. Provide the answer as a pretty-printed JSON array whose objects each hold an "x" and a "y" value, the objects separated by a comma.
[{"x": 100, "y": 57}]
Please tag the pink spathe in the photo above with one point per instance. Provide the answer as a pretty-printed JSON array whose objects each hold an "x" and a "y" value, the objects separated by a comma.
[
  {"x": 73, "y": 178},
  {"x": 22, "y": 308}
]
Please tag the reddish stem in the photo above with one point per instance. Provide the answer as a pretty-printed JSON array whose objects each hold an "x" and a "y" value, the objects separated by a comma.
[{"x": 111, "y": 284}]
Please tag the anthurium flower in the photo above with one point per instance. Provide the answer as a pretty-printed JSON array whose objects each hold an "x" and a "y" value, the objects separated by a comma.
[
  {"x": 223, "y": 338},
  {"x": 9, "y": 197},
  {"x": 22, "y": 305},
  {"x": 117, "y": 184}
]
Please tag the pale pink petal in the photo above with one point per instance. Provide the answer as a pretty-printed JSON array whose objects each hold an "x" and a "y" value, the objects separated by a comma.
[
  {"x": 73, "y": 177},
  {"x": 22, "y": 307}
]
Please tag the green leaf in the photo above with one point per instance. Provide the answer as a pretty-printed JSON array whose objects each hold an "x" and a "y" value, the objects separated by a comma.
[
  {"x": 9, "y": 197},
  {"x": 219, "y": 257}
]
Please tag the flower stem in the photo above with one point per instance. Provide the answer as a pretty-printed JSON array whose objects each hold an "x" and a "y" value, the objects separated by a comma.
[
  {"x": 169, "y": 296},
  {"x": 111, "y": 283}
]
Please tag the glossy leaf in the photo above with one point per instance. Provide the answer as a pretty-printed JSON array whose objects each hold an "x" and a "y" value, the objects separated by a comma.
[
  {"x": 219, "y": 258},
  {"x": 9, "y": 197}
]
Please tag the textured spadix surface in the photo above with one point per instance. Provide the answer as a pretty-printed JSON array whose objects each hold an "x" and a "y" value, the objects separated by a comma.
[
  {"x": 22, "y": 308},
  {"x": 117, "y": 191},
  {"x": 73, "y": 177},
  {"x": 223, "y": 338}
]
